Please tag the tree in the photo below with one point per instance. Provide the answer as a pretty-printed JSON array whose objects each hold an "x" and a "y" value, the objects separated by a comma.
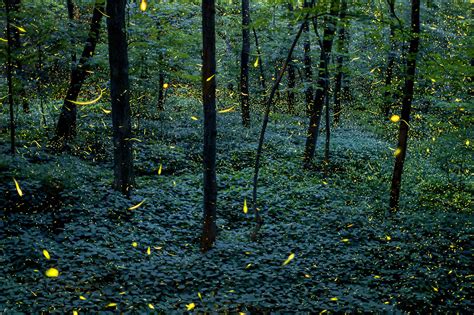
[
  {"x": 307, "y": 62},
  {"x": 342, "y": 51},
  {"x": 244, "y": 64},
  {"x": 161, "y": 88},
  {"x": 15, "y": 47},
  {"x": 400, "y": 152},
  {"x": 327, "y": 117},
  {"x": 71, "y": 12},
  {"x": 388, "y": 94},
  {"x": 120, "y": 93},
  {"x": 210, "y": 131},
  {"x": 260, "y": 61},
  {"x": 321, "y": 86},
  {"x": 66, "y": 128}
]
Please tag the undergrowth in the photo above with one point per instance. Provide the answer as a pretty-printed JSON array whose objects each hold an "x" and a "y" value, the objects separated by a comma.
[{"x": 350, "y": 255}]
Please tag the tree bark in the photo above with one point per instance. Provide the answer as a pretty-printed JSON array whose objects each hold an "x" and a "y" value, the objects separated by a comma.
[
  {"x": 318, "y": 102},
  {"x": 244, "y": 64},
  {"x": 400, "y": 153},
  {"x": 308, "y": 71},
  {"x": 210, "y": 130},
  {"x": 342, "y": 51},
  {"x": 66, "y": 128},
  {"x": 120, "y": 94}
]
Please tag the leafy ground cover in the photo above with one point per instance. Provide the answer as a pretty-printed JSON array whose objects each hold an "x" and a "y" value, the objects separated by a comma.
[{"x": 349, "y": 255}]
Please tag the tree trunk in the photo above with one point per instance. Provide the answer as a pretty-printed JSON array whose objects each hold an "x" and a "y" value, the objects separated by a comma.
[
  {"x": 161, "y": 82},
  {"x": 120, "y": 93},
  {"x": 291, "y": 75},
  {"x": 9, "y": 80},
  {"x": 327, "y": 119},
  {"x": 318, "y": 102},
  {"x": 71, "y": 10},
  {"x": 291, "y": 87},
  {"x": 400, "y": 153},
  {"x": 342, "y": 50},
  {"x": 260, "y": 61},
  {"x": 210, "y": 131},
  {"x": 276, "y": 70},
  {"x": 388, "y": 94},
  {"x": 66, "y": 128},
  {"x": 15, "y": 47},
  {"x": 307, "y": 63},
  {"x": 244, "y": 64}
]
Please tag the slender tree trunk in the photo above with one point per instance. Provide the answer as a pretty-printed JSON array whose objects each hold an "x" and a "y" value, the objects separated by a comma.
[
  {"x": 15, "y": 47},
  {"x": 276, "y": 72},
  {"x": 308, "y": 71},
  {"x": 71, "y": 10},
  {"x": 291, "y": 75},
  {"x": 400, "y": 153},
  {"x": 268, "y": 106},
  {"x": 291, "y": 87},
  {"x": 9, "y": 80},
  {"x": 318, "y": 102},
  {"x": 327, "y": 120},
  {"x": 388, "y": 94},
  {"x": 210, "y": 130},
  {"x": 244, "y": 64},
  {"x": 66, "y": 128},
  {"x": 120, "y": 94},
  {"x": 342, "y": 51},
  {"x": 161, "y": 82},
  {"x": 260, "y": 61}
]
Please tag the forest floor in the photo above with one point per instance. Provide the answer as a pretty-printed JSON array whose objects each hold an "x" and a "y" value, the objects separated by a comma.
[{"x": 349, "y": 254}]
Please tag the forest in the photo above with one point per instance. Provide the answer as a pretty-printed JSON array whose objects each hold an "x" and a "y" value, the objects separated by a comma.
[{"x": 236, "y": 156}]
